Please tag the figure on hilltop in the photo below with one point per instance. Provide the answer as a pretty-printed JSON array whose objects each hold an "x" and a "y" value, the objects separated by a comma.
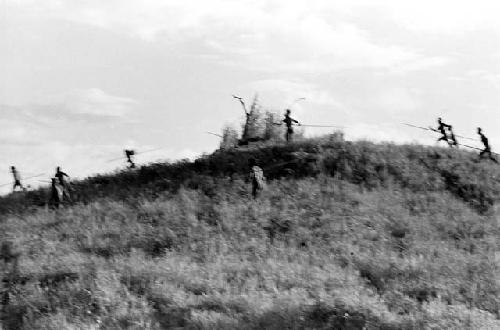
[
  {"x": 257, "y": 177},
  {"x": 17, "y": 179},
  {"x": 60, "y": 175},
  {"x": 487, "y": 148},
  {"x": 289, "y": 125},
  {"x": 452, "y": 140},
  {"x": 129, "y": 153},
  {"x": 442, "y": 129},
  {"x": 56, "y": 194}
]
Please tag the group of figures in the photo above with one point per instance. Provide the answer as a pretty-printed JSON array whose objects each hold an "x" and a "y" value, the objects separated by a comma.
[
  {"x": 449, "y": 137},
  {"x": 60, "y": 188}
]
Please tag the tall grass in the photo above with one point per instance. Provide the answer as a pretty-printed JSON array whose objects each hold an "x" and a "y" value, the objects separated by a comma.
[{"x": 346, "y": 236}]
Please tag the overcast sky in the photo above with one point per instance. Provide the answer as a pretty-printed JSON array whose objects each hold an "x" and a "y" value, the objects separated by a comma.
[{"x": 82, "y": 80}]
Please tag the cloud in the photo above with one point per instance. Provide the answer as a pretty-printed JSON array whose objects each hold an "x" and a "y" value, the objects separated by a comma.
[
  {"x": 288, "y": 36},
  {"x": 91, "y": 102},
  {"x": 445, "y": 16}
]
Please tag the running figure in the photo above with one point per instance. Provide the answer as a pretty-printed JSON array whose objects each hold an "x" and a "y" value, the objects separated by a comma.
[
  {"x": 487, "y": 148},
  {"x": 452, "y": 140},
  {"x": 17, "y": 179},
  {"x": 129, "y": 154},
  {"x": 442, "y": 129}
]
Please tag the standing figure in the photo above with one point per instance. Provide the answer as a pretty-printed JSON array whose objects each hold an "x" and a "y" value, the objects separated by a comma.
[
  {"x": 257, "y": 178},
  {"x": 56, "y": 194},
  {"x": 63, "y": 182},
  {"x": 452, "y": 140},
  {"x": 487, "y": 148},
  {"x": 289, "y": 122},
  {"x": 17, "y": 179},
  {"x": 129, "y": 154}
]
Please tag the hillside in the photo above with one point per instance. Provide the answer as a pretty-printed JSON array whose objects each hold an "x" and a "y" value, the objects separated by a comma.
[{"x": 346, "y": 235}]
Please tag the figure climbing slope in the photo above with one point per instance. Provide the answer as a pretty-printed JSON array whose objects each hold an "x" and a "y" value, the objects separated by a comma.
[
  {"x": 56, "y": 194},
  {"x": 256, "y": 177},
  {"x": 487, "y": 148}
]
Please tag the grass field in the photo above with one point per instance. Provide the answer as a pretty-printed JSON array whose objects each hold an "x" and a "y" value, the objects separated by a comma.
[{"x": 345, "y": 236}]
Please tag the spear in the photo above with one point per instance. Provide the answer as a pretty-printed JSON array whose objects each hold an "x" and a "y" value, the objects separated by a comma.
[
  {"x": 139, "y": 153},
  {"x": 306, "y": 125},
  {"x": 435, "y": 130},
  {"x": 476, "y": 148},
  {"x": 331, "y": 126},
  {"x": 25, "y": 179}
]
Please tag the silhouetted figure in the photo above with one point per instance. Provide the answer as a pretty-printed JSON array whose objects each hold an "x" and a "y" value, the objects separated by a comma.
[
  {"x": 442, "y": 129},
  {"x": 17, "y": 179},
  {"x": 487, "y": 148},
  {"x": 129, "y": 154},
  {"x": 452, "y": 140},
  {"x": 257, "y": 177},
  {"x": 60, "y": 175},
  {"x": 56, "y": 194},
  {"x": 289, "y": 125}
]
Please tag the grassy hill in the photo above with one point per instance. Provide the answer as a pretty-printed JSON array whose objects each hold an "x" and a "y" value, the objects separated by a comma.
[{"x": 346, "y": 235}]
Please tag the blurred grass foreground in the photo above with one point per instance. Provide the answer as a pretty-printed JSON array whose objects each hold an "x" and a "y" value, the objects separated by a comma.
[{"x": 346, "y": 235}]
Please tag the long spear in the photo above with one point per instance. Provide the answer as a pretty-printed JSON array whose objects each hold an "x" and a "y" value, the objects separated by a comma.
[
  {"x": 476, "y": 148},
  {"x": 307, "y": 125},
  {"x": 139, "y": 153},
  {"x": 435, "y": 130},
  {"x": 24, "y": 179},
  {"x": 331, "y": 126}
]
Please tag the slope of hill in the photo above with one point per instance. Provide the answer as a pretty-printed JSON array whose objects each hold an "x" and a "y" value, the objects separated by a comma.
[{"x": 345, "y": 236}]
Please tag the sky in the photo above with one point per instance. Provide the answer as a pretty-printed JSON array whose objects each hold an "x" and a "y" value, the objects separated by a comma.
[{"x": 82, "y": 80}]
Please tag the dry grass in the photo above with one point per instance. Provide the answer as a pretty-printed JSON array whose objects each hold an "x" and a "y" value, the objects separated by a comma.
[{"x": 312, "y": 252}]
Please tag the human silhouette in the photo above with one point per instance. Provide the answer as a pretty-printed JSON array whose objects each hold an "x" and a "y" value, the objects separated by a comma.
[
  {"x": 129, "y": 154},
  {"x": 487, "y": 148},
  {"x": 60, "y": 175},
  {"x": 452, "y": 140},
  {"x": 56, "y": 194},
  {"x": 17, "y": 179},
  {"x": 442, "y": 129},
  {"x": 257, "y": 177},
  {"x": 289, "y": 125}
]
